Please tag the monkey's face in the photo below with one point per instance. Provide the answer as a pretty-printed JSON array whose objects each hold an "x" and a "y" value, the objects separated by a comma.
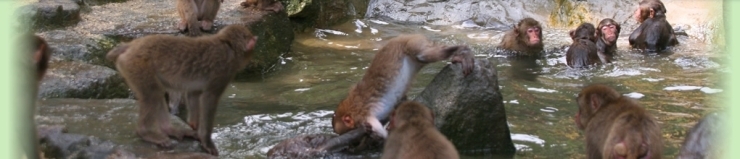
[
  {"x": 609, "y": 32},
  {"x": 534, "y": 35},
  {"x": 341, "y": 120}
]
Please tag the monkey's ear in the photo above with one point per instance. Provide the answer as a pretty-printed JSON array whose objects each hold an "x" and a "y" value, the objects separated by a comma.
[
  {"x": 572, "y": 34},
  {"x": 652, "y": 13},
  {"x": 250, "y": 44},
  {"x": 595, "y": 102},
  {"x": 347, "y": 120},
  {"x": 38, "y": 55}
]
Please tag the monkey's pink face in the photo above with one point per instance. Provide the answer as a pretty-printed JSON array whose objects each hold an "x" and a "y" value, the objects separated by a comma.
[{"x": 534, "y": 35}]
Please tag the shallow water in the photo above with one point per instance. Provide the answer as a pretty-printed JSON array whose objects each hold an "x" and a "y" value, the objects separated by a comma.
[{"x": 678, "y": 88}]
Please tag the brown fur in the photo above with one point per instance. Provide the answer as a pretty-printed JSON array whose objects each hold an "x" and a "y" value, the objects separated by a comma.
[
  {"x": 365, "y": 106},
  {"x": 654, "y": 33},
  {"x": 582, "y": 53},
  {"x": 264, "y": 5},
  {"x": 519, "y": 39},
  {"x": 616, "y": 126},
  {"x": 607, "y": 33},
  {"x": 201, "y": 67},
  {"x": 414, "y": 136},
  {"x": 193, "y": 11}
]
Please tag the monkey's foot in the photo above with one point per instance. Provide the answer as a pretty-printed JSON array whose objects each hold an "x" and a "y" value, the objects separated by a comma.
[
  {"x": 179, "y": 133},
  {"x": 155, "y": 137},
  {"x": 206, "y": 25},
  {"x": 182, "y": 26},
  {"x": 209, "y": 147}
]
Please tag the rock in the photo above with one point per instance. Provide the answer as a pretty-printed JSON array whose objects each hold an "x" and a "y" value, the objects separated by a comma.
[
  {"x": 299, "y": 147},
  {"x": 182, "y": 155},
  {"x": 64, "y": 145},
  {"x": 470, "y": 110},
  {"x": 323, "y": 13},
  {"x": 71, "y": 79},
  {"x": 50, "y": 13},
  {"x": 87, "y": 48},
  {"x": 275, "y": 33},
  {"x": 99, "y": 129}
]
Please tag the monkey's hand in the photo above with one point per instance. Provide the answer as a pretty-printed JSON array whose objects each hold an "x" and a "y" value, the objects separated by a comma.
[{"x": 465, "y": 58}]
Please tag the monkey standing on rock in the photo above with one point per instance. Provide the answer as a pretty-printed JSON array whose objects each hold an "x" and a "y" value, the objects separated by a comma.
[
  {"x": 386, "y": 81},
  {"x": 200, "y": 67}
]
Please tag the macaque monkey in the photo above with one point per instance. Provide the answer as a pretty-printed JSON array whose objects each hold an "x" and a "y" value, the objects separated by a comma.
[
  {"x": 616, "y": 126},
  {"x": 654, "y": 33},
  {"x": 194, "y": 11},
  {"x": 387, "y": 79},
  {"x": 525, "y": 37},
  {"x": 607, "y": 34},
  {"x": 264, "y": 5},
  {"x": 413, "y": 135},
  {"x": 582, "y": 53},
  {"x": 704, "y": 139},
  {"x": 39, "y": 55},
  {"x": 200, "y": 67}
]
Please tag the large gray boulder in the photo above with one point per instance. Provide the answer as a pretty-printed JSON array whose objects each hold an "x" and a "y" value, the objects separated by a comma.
[
  {"x": 72, "y": 79},
  {"x": 470, "y": 110}
]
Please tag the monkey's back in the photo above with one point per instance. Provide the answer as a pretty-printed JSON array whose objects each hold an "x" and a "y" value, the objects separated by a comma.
[
  {"x": 582, "y": 53},
  {"x": 629, "y": 121}
]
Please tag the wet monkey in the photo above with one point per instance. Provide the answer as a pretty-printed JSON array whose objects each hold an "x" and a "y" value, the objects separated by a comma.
[
  {"x": 582, "y": 53},
  {"x": 200, "y": 67},
  {"x": 607, "y": 34},
  {"x": 387, "y": 79},
  {"x": 265, "y": 5},
  {"x": 525, "y": 37},
  {"x": 654, "y": 33},
  {"x": 196, "y": 15},
  {"x": 616, "y": 126},
  {"x": 413, "y": 135}
]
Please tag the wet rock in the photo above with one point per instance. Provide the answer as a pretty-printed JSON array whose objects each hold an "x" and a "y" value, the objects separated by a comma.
[
  {"x": 50, "y": 13},
  {"x": 182, "y": 155},
  {"x": 65, "y": 145},
  {"x": 275, "y": 33},
  {"x": 299, "y": 147},
  {"x": 324, "y": 13},
  {"x": 99, "y": 128},
  {"x": 470, "y": 110},
  {"x": 71, "y": 79}
]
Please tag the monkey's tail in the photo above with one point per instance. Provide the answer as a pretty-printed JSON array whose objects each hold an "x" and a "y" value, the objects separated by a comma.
[{"x": 115, "y": 52}]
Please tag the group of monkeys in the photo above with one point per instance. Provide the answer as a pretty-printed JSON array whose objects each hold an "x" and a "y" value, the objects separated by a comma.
[
  {"x": 200, "y": 68},
  {"x": 598, "y": 45}
]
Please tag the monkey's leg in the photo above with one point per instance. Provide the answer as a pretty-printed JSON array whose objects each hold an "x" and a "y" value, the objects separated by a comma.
[
  {"x": 174, "y": 102},
  {"x": 188, "y": 17},
  {"x": 167, "y": 128},
  {"x": 375, "y": 128},
  {"x": 209, "y": 10},
  {"x": 194, "y": 110},
  {"x": 150, "y": 108},
  {"x": 208, "y": 104}
]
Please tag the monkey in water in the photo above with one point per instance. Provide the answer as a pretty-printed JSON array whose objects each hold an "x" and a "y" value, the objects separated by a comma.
[
  {"x": 413, "y": 135},
  {"x": 193, "y": 11},
  {"x": 200, "y": 67},
  {"x": 616, "y": 126},
  {"x": 385, "y": 83}
]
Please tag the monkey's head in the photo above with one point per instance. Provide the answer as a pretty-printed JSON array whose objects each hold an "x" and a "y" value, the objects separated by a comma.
[
  {"x": 584, "y": 31},
  {"x": 608, "y": 31},
  {"x": 590, "y": 100},
  {"x": 40, "y": 54},
  {"x": 410, "y": 112},
  {"x": 342, "y": 120},
  {"x": 649, "y": 9},
  {"x": 529, "y": 31},
  {"x": 240, "y": 39}
]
